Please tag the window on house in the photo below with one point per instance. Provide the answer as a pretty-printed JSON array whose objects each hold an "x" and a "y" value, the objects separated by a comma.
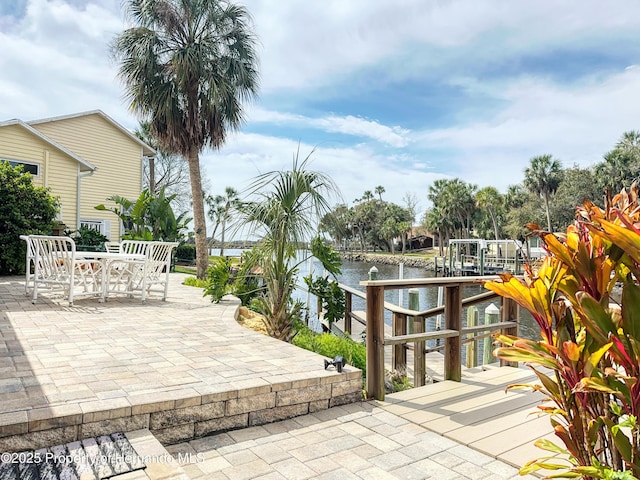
[
  {"x": 101, "y": 226},
  {"x": 32, "y": 168}
]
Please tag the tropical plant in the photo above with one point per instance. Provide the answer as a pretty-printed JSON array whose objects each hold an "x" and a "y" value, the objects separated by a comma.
[
  {"x": 150, "y": 217},
  {"x": 588, "y": 358},
  {"x": 89, "y": 238},
  {"x": 218, "y": 279},
  {"x": 331, "y": 298},
  {"x": 543, "y": 177},
  {"x": 187, "y": 67},
  {"x": 25, "y": 209},
  {"x": 283, "y": 211},
  {"x": 242, "y": 281},
  {"x": 221, "y": 209}
]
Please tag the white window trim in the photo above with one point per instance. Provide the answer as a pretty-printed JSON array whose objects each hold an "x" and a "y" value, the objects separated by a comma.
[
  {"x": 14, "y": 161},
  {"x": 99, "y": 224}
]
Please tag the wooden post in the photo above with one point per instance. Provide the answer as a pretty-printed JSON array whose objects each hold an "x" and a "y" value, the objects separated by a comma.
[
  {"x": 472, "y": 321},
  {"x": 510, "y": 313},
  {"x": 375, "y": 342},
  {"x": 399, "y": 352},
  {"x": 348, "y": 308},
  {"x": 417, "y": 326},
  {"x": 491, "y": 315},
  {"x": 453, "y": 321}
]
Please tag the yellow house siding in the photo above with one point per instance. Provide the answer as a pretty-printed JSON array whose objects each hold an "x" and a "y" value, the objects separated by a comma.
[
  {"x": 58, "y": 171},
  {"x": 118, "y": 158}
]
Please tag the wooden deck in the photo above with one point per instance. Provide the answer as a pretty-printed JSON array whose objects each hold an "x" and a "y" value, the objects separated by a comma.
[{"x": 477, "y": 412}]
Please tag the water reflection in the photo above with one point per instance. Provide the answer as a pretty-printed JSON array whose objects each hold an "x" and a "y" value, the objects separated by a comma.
[{"x": 354, "y": 272}]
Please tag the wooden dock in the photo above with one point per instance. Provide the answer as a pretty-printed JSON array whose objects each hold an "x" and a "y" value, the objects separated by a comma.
[{"x": 479, "y": 413}]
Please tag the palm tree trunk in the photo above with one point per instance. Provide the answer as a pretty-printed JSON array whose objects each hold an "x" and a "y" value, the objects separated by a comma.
[
  {"x": 152, "y": 174},
  {"x": 199, "y": 224},
  {"x": 224, "y": 225},
  {"x": 546, "y": 205},
  {"x": 494, "y": 220}
]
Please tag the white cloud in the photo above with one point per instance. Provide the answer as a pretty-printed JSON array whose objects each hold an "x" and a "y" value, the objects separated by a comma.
[
  {"x": 54, "y": 61},
  {"x": 575, "y": 124},
  {"x": 349, "y": 125},
  {"x": 354, "y": 169},
  {"x": 305, "y": 45}
]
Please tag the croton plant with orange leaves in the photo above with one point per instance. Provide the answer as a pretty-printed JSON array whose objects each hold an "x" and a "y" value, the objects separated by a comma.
[{"x": 585, "y": 297}]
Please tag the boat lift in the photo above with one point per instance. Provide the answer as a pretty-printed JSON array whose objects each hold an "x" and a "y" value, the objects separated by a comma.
[{"x": 476, "y": 256}]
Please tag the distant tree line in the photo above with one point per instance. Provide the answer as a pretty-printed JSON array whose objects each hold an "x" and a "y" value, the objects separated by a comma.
[{"x": 547, "y": 196}]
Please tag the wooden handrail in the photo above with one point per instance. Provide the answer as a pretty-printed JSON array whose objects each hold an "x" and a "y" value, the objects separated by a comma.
[
  {"x": 393, "y": 308},
  {"x": 427, "y": 282},
  {"x": 421, "y": 337},
  {"x": 453, "y": 334}
]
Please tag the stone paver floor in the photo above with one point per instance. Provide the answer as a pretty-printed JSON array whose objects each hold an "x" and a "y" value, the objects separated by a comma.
[{"x": 357, "y": 441}]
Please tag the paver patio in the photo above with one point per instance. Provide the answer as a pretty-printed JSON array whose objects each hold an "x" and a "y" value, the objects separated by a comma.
[{"x": 181, "y": 368}]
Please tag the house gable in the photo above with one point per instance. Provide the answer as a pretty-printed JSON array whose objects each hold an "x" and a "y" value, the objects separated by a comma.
[
  {"x": 57, "y": 167},
  {"x": 116, "y": 152}
]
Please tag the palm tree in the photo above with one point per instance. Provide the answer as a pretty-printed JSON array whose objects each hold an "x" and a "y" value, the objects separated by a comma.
[
  {"x": 230, "y": 202},
  {"x": 187, "y": 66},
  {"x": 285, "y": 215},
  {"x": 379, "y": 191},
  {"x": 543, "y": 177},
  {"x": 489, "y": 199},
  {"x": 221, "y": 208}
]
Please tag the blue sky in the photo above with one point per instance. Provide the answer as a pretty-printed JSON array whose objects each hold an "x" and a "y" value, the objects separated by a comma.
[{"x": 396, "y": 94}]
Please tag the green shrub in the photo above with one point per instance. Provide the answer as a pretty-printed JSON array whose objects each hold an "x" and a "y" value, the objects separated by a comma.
[
  {"x": 225, "y": 278},
  {"x": 87, "y": 238},
  {"x": 218, "y": 278},
  {"x": 25, "y": 209},
  {"x": 185, "y": 252},
  {"x": 330, "y": 345},
  {"x": 195, "y": 282}
]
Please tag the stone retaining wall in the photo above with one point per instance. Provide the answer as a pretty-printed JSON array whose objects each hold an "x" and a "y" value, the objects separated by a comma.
[
  {"x": 388, "y": 259},
  {"x": 180, "y": 419}
]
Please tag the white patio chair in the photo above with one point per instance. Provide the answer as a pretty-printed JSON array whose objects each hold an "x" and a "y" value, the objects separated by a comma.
[
  {"x": 28, "y": 280},
  {"x": 138, "y": 277},
  {"x": 112, "y": 247},
  {"x": 56, "y": 266}
]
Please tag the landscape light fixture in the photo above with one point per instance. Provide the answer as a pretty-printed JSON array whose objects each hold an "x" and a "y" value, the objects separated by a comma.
[{"x": 338, "y": 362}]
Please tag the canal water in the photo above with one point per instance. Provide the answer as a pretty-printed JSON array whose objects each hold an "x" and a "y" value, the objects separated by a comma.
[{"x": 354, "y": 272}]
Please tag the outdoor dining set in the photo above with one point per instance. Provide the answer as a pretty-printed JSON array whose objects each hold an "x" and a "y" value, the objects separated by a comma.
[{"x": 131, "y": 267}]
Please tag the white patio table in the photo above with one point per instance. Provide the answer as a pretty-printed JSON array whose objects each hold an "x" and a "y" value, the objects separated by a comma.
[{"x": 105, "y": 260}]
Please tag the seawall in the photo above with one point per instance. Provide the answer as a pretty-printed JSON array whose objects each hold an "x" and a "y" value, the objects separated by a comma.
[{"x": 410, "y": 261}]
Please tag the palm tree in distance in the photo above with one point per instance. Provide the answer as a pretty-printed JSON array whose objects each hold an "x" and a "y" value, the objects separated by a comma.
[
  {"x": 379, "y": 191},
  {"x": 229, "y": 202},
  {"x": 489, "y": 199},
  {"x": 543, "y": 177},
  {"x": 187, "y": 67}
]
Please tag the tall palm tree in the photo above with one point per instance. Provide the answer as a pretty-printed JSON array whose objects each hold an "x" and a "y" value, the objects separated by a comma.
[
  {"x": 287, "y": 208},
  {"x": 543, "y": 177},
  {"x": 230, "y": 202},
  {"x": 187, "y": 67},
  {"x": 489, "y": 199},
  {"x": 379, "y": 191},
  {"x": 221, "y": 208}
]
